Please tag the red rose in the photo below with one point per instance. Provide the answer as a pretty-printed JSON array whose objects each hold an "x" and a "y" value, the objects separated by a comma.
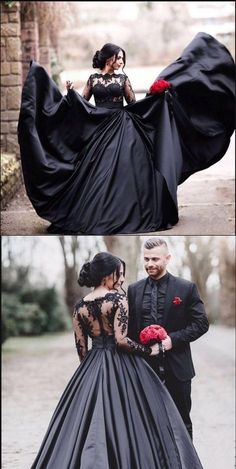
[
  {"x": 159, "y": 86},
  {"x": 152, "y": 333},
  {"x": 177, "y": 300}
]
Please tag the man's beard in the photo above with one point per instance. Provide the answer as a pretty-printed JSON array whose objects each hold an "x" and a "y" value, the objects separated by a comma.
[{"x": 156, "y": 272}]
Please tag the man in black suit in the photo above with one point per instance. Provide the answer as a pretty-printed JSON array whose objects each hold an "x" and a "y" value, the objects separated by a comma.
[{"x": 175, "y": 304}]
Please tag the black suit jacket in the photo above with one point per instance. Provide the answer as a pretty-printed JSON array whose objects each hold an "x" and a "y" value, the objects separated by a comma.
[{"x": 184, "y": 322}]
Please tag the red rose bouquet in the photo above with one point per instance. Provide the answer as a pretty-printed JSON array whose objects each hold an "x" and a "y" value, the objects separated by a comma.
[
  {"x": 152, "y": 334},
  {"x": 159, "y": 86}
]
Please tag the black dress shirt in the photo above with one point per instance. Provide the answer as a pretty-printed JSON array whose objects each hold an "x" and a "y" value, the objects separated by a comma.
[{"x": 154, "y": 301}]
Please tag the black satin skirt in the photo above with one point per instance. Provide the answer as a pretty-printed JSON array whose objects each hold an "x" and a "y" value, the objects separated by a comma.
[
  {"x": 115, "y": 413},
  {"x": 93, "y": 170}
]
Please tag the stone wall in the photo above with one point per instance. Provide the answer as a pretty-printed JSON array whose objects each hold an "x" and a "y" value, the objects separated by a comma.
[
  {"x": 23, "y": 38},
  {"x": 44, "y": 47},
  {"x": 11, "y": 76},
  {"x": 29, "y": 39}
]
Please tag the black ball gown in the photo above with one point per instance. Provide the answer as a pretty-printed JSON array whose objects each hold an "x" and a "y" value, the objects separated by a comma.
[
  {"x": 115, "y": 413},
  {"x": 113, "y": 169}
]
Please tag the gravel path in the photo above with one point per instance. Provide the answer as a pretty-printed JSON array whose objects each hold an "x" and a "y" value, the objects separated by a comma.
[{"x": 36, "y": 371}]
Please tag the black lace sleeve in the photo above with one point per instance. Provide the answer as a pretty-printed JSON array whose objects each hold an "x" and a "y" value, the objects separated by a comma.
[
  {"x": 81, "y": 336},
  {"x": 87, "y": 91},
  {"x": 128, "y": 91},
  {"x": 120, "y": 331}
]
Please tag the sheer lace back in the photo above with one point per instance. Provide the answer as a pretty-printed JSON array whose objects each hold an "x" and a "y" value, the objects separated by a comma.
[
  {"x": 109, "y": 88},
  {"x": 103, "y": 316},
  {"x": 97, "y": 315}
]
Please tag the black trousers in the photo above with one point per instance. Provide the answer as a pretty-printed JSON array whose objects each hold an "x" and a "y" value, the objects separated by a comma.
[{"x": 180, "y": 392}]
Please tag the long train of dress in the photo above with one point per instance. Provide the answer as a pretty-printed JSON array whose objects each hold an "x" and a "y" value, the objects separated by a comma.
[{"x": 109, "y": 170}]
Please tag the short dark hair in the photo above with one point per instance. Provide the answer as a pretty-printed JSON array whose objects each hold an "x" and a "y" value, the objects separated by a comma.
[{"x": 154, "y": 242}]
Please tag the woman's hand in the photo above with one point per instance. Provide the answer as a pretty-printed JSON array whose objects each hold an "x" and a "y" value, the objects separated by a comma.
[
  {"x": 69, "y": 85},
  {"x": 155, "y": 349}
]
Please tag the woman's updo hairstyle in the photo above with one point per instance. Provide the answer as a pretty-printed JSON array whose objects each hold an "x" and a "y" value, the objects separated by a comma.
[
  {"x": 107, "y": 51},
  {"x": 85, "y": 275},
  {"x": 103, "y": 264}
]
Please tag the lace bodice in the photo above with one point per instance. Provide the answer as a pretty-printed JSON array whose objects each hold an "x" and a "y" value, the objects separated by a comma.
[
  {"x": 109, "y": 88},
  {"x": 104, "y": 316}
]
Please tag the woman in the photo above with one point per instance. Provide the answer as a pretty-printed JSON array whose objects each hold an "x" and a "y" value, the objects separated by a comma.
[
  {"x": 114, "y": 169},
  {"x": 107, "y": 86},
  {"x": 115, "y": 413}
]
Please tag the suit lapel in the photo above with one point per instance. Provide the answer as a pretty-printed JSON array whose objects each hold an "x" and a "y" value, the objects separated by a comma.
[{"x": 170, "y": 294}]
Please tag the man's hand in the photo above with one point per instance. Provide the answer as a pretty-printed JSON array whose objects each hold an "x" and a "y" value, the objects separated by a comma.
[
  {"x": 155, "y": 349},
  {"x": 167, "y": 343}
]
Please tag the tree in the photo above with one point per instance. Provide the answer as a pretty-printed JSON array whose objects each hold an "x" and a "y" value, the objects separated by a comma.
[
  {"x": 72, "y": 289},
  {"x": 76, "y": 250},
  {"x": 29, "y": 306},
  {"x": 227, "y": 281},
  {"x": 128, "y": 248},
  {"x": 199, "y": 254}
]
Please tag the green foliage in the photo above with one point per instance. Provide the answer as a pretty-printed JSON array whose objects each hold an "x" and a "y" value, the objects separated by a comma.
[
  {"x": 47, "y": 299},
  {"x": 31, "y": 311},
  {"x": 21, "y": 319},
  {"x": 10, "y": 304},
  {"x": 32, "y": 320},
  {"x": 14, "y": 279}
]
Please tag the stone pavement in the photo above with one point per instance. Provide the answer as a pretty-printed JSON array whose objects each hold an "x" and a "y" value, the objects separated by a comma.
[{"x": 36, "y": 371}]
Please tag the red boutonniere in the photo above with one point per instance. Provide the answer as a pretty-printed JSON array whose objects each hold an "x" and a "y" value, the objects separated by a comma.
[
  {"x": 159, "y": 86},
  {"x": 177, "y": 300}
]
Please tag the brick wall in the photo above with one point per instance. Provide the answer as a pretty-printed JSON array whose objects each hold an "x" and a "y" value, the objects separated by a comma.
[
  {"x": 11, "y": 76},
  {"x": 23, "y": 38}
]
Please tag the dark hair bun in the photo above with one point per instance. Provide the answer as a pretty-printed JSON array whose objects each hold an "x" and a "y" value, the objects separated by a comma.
[
  {"x": 107, "y": 51},
  {"x": 97, "y": 59},
  {"x": 85, "y": 275},
  {"x": 93, "y": 272}
]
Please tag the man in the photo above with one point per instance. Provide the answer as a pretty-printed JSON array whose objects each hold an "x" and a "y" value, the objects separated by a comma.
[{"x": 175, "y": 304}]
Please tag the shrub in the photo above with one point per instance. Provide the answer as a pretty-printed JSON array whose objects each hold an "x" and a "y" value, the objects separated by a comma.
[
  {"x": 10, "y": 303},
  {"x": 21, "y": 319},
  {"x": 47, "y": 299},
  {"x": 31, "y": 319}
]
